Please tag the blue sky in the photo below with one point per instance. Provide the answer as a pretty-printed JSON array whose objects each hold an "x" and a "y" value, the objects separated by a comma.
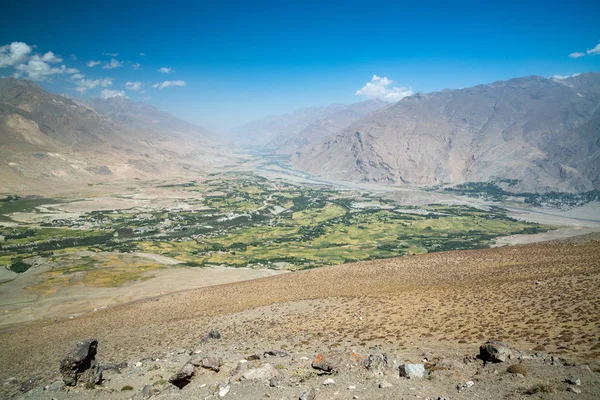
[{"x": 232, "y": 61}]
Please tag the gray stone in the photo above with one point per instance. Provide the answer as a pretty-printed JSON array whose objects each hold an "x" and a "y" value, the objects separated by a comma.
[
  {"x": 212, "y": 363},
  {"x": 275, "y": 382},
  {"x": 253, "y": 357},
  {"x": 494, "y": 351},
  {"x": 196, "y": 360},
  {"x": 276, "y": 353},
  {"x": 328, "y": 381},
  {"x": 96, "y": 375},
  {"x": 213, "y": 334},
  {"x": 183, "y": 377},
  {"x": 412, "y": 370},
  {"x": 574, "y": 390},
  {"x": 572, "y": 380},
  {"x": 308, "y": 394},
  {"x": 263, "y": 373},
  {"x": 78, "y": 361},
  {"x": 28, "y": 384}
]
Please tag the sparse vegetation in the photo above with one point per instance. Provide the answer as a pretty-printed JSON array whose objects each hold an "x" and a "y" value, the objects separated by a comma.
[
  {"x": 543, "y": 387},
  {"x": 517, "y": 369}
]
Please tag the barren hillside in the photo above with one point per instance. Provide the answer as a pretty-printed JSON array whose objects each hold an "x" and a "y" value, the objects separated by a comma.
[{"x": 541, "y": 296}]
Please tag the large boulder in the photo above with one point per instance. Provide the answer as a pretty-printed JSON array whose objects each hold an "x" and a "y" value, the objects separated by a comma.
[
  {"x": 78, "y": 361},
  {"x": 495, "y": 351},
  {"x": 183, "y": 376}
]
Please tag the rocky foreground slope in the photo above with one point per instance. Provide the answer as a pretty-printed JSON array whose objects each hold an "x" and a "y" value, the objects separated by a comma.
[
  {"x": 353, "y": 331},
  {"x": 543, "y": 133},
  {"x": 50, "y": 139}
]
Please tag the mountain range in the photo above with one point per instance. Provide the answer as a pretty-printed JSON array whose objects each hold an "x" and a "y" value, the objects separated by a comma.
[
  {"x": 543, "y": 134},
  {"x": 540, "y": 134},
  {"x": 46, "y": 137}
]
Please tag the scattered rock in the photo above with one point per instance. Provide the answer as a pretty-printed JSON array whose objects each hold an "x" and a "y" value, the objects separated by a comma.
[
  {"x": 384, "y": 385},
  {"x": 276, "y": 353},
  {"x": 494, "y": 351},
  {"x": 28, "y": 384},
  {"x": 465, "y": 385},
  {"x": 275, "y": 382},
  {"x": 253, "y": 357},
  {"x": 113, "y": 367},
  {"x": 183, "y": 377},
  {"x": 377, "y": 363},
  {"x": 223, "y": 389},
  {"x": 78, "y": 361},
  {"x": 264, "y": 373},
  {"x": 555, "y": 360},
  {"x": 574, "y": 390},
  {"x": 213, "y": 334},
  {"x": 146, "y": 392},
  {"x": 572, "y": 380},
  {"x": 326, "y": 364},
  {"x": 308, "y": 394},
  {"x": 412, "y": 370},
  {"x": 96, "y": 376},
  {"x": 328, "y": 381},
  {"x": 352, "y": 387},
  {"x": 212, "y": 363},
  {"x": 196, "y": 360}
]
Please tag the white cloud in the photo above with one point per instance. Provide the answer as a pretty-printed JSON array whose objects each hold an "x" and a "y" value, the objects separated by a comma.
[
  {"x": 113, "y": 64},
  {"x": 164, "y": 70},
  {"x": 84, "y": 84},
  {"x": 110, "y": 54},
  {"x": 50, "y": 57},
  {"x": 13, "y": 54},
  {"x": 142, "y": 54},
  {"x": 107, "y": 93},
  {"x": 577, "y": 54},
  {"x": 166, "y": 84},
  {"x": 595, "y": 51},
  {"x": 382, "y": 88},
  {"x": 92, "y": 63},
  {"x": 133, "y": 85},
  {"x": 136, "y": 65},
  {"x": 560, "y": 77},
  {"x": 73, "y": 57},
  {"x": 39, "y": 70},
  {"x": 78, "y": 76}
]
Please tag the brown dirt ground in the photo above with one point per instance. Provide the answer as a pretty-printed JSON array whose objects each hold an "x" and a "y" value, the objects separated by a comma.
[{"x": 544, "y": 294}]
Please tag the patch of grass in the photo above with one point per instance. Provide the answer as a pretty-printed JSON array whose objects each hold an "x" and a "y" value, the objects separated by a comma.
[
  {"x": 517, "y": 369},
  {"x": 544, "y": 387}
]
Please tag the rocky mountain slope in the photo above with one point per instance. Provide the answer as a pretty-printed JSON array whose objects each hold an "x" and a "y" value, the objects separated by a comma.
[
  {"x": 347, "y": 331},
  {"x": 46, "y": 137},
  {"x": 543, "y": 132},
  {"x": 305, "y": 126}
]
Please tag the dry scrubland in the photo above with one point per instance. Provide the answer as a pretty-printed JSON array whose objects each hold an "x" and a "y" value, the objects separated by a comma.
[{"x": 542, "y": 296}]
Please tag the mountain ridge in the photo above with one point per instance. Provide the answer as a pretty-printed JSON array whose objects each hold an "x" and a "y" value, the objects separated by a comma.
[
  {"x": 536, "y": 130},
  {"x": 47, "y": 137}
]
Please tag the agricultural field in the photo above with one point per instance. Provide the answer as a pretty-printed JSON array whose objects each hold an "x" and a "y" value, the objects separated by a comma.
[{"x": 243, "y": 220}]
